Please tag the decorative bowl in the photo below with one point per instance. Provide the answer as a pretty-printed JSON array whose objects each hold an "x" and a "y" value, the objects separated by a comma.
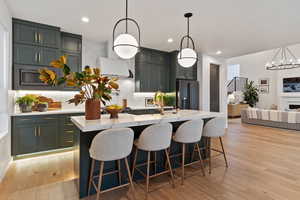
[{"x": 113, "y": 110}]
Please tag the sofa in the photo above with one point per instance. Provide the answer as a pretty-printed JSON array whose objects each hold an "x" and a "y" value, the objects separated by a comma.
[{"x": 272, "y": 118}]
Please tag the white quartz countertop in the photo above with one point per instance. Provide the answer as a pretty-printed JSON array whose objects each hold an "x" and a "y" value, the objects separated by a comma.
[
  {"x": 53, "y": 112},
  {"x": 75, "y": 110},
  {"x": 128, "y": 120}
]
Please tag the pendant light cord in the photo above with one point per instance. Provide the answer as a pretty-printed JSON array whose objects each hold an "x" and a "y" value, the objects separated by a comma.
[
  {"x": 126, "y": 16},
  {"x": 188, "y": 32}
]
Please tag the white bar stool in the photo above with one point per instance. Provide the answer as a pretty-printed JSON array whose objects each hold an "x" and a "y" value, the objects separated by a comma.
[
  {"x": 111, "y": 145},
  {"x": 152, "y": 139},
  {"x": 189, "y": 132},
  {"x": 215, "y": 128}
]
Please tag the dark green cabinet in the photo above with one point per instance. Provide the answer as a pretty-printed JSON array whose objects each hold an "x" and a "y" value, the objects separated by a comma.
[
  {"x": 151, "y": 71},
  {"x": 26, "y": 54},
  {"x": 71, "y": 47},
  {"x": 33, "y": 134},
  {"x": 27, "y": 77},
  {"x": 25, "y": 139},
  {"x": 35, "y": 46},
  {"x": 158, "y": 70},
  {"x": 29, "y": 33},
  {"x": 47, "y": 135},
  {"x": 179, "y": 72}
]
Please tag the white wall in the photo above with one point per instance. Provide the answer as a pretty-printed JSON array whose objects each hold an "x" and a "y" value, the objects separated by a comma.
[
  {"x": 5, "y": 136},
  {"x": 253, "y": 67},
  {"x": 204, "y": 79}
]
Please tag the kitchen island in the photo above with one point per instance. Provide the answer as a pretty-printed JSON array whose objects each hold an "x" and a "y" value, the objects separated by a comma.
[{"x": 90, "y": 128}]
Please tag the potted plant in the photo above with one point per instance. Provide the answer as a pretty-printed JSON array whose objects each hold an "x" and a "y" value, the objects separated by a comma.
[
  {"x": 251, "y": 94},
  {"x": 94, "y": 87},
  {"x": 26, "y": 102},
  {"x": 42, "y": 106}
]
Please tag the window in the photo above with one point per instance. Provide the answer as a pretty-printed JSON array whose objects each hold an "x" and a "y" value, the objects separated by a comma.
[{"x": 233, "y": 71}]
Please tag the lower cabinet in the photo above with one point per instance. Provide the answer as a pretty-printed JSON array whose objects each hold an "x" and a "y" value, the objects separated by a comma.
[{"x": 33, "y": 134}]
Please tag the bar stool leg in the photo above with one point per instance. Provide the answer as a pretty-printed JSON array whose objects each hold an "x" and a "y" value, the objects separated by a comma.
[
  {"x": 119, "y": 171},
  {"x": 208, "y": 150},
  {"x": 200, "y": 157},
  {"x": 224, "y": 154},
  {"x": 148, "y": 174},
  {"x": 182, "y": 164},
  {"x": 134, "y": 162},
  {"x": 100, "y": 179},
  {"x": 170, "y": 168},
  {"x": 129, "y": 177},
  {"x": 91, "y": 176}
]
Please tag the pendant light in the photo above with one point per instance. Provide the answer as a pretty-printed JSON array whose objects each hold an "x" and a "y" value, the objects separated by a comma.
[
  {"x": 283, "y": 59},
  {"x": 125, "y": 45},
  {"x": 187, "y": 56}
]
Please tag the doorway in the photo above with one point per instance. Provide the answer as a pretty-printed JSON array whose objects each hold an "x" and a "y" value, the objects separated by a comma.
[{"x": 214, "y": 88}]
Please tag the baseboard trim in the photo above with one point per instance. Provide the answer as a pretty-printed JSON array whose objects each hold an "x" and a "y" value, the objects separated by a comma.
[{"x": 2, "y": 174}]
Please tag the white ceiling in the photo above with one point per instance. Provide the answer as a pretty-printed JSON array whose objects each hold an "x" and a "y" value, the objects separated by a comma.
[{"x": 235, "y": 27}]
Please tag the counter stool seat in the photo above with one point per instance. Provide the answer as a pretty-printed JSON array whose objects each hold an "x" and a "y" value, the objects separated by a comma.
[
  {"x": 111, "y": 145},
  {"x": 189, "y": 132},
  {"x": 215, "y": 128},
  {"x": 154, "y": 138}
]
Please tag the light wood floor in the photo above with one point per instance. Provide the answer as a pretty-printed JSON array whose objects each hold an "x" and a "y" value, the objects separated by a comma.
[{"x": 264, "y": 164}]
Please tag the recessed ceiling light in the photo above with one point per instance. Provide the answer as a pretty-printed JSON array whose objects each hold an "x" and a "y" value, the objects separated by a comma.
[
  {"x": 219, "y": 52},
  {"x": 85, "y": 19},
  {"x": 170, "y": 40}
]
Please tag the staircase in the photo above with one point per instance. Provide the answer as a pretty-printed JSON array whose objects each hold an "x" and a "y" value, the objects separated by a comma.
[{"x": 237, "y": 84}]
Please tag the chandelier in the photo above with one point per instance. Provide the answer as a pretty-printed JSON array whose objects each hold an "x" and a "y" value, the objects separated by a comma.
[{"x": 283, "y": 59}]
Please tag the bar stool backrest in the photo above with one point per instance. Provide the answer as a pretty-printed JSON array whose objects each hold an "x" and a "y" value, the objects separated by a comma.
[
  {"x": 189, "y": 132},
  {"x": 112, "y": 144},
  {"x": 156, "y": 137},
  {"x": 215, "y": 127}
]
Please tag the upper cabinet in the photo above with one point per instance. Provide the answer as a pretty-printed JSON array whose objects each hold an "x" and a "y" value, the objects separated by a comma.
[
  {"x": 36, "y": 34},
  {"x": 35, "y": 46},
  {"x": 71, "y": 45},
  {"x": 179, "y": 72},
  {"x": 158, "y": 70},
  {"x": 152, "y": 71}
]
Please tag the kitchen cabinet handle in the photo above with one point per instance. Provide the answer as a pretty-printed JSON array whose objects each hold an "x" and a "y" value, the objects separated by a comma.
[
  {"x": 69, "y": 131},
  {"x": 36, "y": 57},
  {"x": 69, "y": 124},
  {"x": 39, "y": 57},
  {"x": 36, "y": 36},
  {"x": 40, "y": 38},
  {"x": 39, "y": 131},
  {"x": 35, "y": 132},
  {"x": 24, "y": 119},
  {"x": 49, "y": 118},
  {"x": 69, "y": 141}
]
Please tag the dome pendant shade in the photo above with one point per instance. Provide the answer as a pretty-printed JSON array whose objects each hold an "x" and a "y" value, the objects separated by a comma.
[
  {"x": 125, "y": 45},
  {"x": 187, "y": 57}
]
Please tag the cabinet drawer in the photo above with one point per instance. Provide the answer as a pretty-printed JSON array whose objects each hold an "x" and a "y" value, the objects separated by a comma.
[{"x": 24, "y": 120}]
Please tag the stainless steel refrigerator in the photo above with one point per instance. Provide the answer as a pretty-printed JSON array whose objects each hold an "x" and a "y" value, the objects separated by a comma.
[{"x": 187, "y": 94}]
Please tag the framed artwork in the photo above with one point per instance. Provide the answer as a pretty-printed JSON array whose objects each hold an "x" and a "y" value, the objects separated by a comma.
[
  {"x": 264, "y": 89},
  {"x": 263, "y": 81},
  {"x": 149, "y": 102}
]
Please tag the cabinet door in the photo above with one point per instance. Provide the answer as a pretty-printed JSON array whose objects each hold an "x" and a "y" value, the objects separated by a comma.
[
  {"x": 48, "y": 55},
  {"x": 25, "y": 34},
  {"x": 48, "y": 133},
  {"x": 25, "y": 139},
  {"x": 27, "y": 78},
  {"x": 74, "y": 62},
  {"x": 26, "y": 54},
  {"x": 71, "y": 43},
  {"x": 49, "y": 38}
]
